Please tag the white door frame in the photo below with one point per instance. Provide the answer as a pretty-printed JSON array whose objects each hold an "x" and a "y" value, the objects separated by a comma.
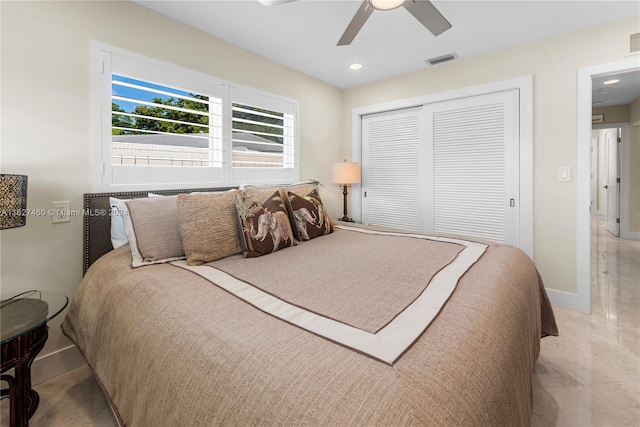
[
  {"x": 525, "y": 87},
  {"x": 583, "y": 227}
]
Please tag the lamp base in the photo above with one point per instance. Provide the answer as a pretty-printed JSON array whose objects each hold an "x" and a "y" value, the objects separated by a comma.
[{"x": 346, "y": 219}]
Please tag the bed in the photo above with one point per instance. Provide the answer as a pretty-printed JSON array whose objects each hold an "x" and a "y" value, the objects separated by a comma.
[{"x": 352, "y": 326}]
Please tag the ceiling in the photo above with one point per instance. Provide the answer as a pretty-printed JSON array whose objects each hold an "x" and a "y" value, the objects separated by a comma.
[
  {"x": 621, "y": 93},
  {"x": 303, "y": 34}
]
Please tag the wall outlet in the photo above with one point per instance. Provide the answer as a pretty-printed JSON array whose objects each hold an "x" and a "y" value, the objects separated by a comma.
[{"x": 60, "y": 211}]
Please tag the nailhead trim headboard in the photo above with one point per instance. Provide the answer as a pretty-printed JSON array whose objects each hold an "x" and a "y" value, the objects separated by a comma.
[{"x": 97, "y": 222}]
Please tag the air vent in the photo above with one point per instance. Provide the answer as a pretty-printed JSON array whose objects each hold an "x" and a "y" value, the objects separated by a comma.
[
  {"x": 634, "y": 43},
  {"x": 441, "y": 59}
]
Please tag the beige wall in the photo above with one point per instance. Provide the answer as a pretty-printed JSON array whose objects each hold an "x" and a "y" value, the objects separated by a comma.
[
  {"x": 613, "y": 114},
  {"x": 634, "y": 112},
  {"x": 553, "y": 63},
  {"x": 46, "y": 118}
]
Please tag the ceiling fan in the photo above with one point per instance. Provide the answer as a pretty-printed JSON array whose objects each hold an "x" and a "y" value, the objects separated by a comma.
[{"x": 423, "y": 10}]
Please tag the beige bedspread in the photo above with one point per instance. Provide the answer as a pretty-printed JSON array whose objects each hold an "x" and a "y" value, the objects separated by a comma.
[{"x": 170, "y": 348}]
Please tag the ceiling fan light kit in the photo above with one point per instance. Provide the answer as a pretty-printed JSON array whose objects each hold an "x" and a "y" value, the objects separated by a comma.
[
  {"x": 423, "y": 10},
  {"x": 385, "y": 4}
]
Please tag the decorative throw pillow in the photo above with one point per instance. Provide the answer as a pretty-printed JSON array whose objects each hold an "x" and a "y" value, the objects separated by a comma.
[
  {"x": 258, "y": 193},
  {"x": 310, "y": 217},
  {"x": 265, "y": 226},
  {"x": 208, "y": 226},
  {"x": 153, "y": 230}
]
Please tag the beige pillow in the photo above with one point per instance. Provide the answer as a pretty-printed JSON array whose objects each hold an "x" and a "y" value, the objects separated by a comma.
[
  {"x": 209, "y": 226},
  {"x": 153, "y": 231}
]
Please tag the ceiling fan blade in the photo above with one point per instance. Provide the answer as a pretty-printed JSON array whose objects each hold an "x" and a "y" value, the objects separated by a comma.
[
  {"x": 428, "y": 15},
  {"x": 274, "y": 2},
  {"x": 356, "y": 23}
]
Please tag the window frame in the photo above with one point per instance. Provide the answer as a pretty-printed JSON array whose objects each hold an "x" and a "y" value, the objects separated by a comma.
[{"x": 109, "y": 177}]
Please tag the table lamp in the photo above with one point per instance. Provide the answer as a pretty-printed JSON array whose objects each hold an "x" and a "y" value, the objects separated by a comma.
[
  {"x": 346, "y": 173},
  {"x": 13, "y": 201}
]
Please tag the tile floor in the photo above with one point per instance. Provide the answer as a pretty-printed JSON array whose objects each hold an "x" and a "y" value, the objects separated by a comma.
[{"x": 588, "y": 376}]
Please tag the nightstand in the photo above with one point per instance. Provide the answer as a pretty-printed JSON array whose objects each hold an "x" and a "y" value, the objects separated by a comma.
[{"x": 24, "y": 330}]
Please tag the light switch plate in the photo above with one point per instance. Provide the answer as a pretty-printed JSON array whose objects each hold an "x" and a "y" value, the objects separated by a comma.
[
  {"x": 564, "y": 174},
  {"x": 60, "y": 211}
]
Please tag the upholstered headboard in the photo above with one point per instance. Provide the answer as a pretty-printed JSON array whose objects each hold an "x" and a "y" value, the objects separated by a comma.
[{"x": 97, "y": 222}]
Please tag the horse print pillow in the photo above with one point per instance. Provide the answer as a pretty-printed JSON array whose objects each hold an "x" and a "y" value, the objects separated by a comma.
[
  {"x": 311, "y": 220},
  {"x": 265, "y": 227}
]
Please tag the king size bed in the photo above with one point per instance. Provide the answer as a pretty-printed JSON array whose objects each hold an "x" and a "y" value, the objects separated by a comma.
[{"x": 329, "y": 325}]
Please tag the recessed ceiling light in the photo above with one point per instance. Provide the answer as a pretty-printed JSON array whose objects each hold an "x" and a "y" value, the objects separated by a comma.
[
  {"x": 611, "y": 82},
  {"x": 596, "y": 102},
  {"x": 355, "y": 66}
]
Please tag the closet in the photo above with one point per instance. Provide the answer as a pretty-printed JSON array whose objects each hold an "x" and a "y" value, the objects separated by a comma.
[{"x": 449, "y": 167}]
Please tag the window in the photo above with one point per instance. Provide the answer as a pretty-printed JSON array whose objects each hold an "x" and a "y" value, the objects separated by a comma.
[
  {"x": 163, "y": 125},
  {"x": 153, "y": 125},
  {"x": 258, "y": 137}
]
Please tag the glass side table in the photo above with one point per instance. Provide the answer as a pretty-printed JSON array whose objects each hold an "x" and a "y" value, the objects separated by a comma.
[{"x": 24, "y": 331}]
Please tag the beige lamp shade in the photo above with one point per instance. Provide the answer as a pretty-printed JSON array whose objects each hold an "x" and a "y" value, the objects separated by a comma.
[{"x": 346, "y": 173}]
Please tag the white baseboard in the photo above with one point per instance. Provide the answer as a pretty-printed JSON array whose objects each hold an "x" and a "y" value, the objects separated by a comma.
[
  {"x": 56, "y": 363},
  {"x": 563, "y": 299},
  {"x": 631, "y": 235}
]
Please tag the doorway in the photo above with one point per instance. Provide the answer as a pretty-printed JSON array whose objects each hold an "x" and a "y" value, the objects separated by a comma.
[
  {"x": 605, "y": 176},
  {"x": 583, "y": 238}
]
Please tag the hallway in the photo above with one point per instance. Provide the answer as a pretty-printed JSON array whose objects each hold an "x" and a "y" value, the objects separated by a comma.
[{"x": 590, "y": 374}]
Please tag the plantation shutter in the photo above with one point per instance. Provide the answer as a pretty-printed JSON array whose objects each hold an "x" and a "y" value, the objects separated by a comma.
[
  {"x": 166, "y": 124},
  {"x": 158, "y": 124},
  {"x": 475, "y": 188},
  {"x": 263, "y": 134},
  {"x": 393, "y": 173}
]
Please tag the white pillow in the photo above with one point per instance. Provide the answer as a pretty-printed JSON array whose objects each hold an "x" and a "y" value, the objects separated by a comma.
[{"x": 118, "y": 210}]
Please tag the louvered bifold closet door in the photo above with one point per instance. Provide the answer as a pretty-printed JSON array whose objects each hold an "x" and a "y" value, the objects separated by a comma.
[
  {"x": 475, "y": 166},
  {"x": 392, "y": 169}
]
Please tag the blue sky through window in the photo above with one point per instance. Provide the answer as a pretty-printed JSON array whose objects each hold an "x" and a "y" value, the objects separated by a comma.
[{"x": 141, "y": 94}]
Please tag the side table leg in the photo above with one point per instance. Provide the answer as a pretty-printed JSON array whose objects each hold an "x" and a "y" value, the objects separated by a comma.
[
  {"x": 28, "y": 399},
  {"x": 11, "y": 392},
  {"x": 20, "y": 404},
  {"x": 23, "y": 399}
]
